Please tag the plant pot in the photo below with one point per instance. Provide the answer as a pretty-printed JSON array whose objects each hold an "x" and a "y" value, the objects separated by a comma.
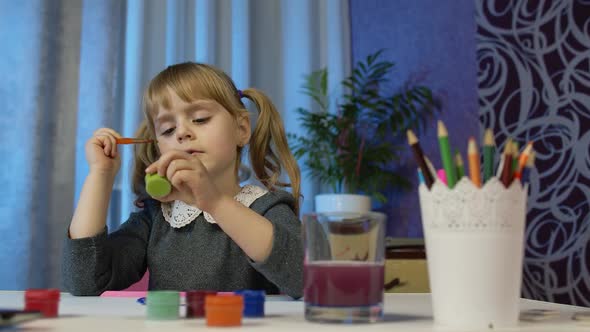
[{"x": 342, "y": 203}]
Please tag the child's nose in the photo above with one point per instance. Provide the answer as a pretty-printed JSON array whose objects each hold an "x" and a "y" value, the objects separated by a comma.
[
  {"x": 183, "y": 134},
  {"x": 184, "y": 137}
]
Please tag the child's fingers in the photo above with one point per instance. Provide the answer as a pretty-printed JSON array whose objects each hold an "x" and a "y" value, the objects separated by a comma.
[
  {"x": 152, "y": 167},
  {"x": 196, "y": 161},
  {"x": 113, "y": 135},
  {"x": 180, "y": 177},
  {"x": 177, "y": 165},
  {"x": 112, "y": 132},
  {"x": 109, "y": 144},
  {"x": 105, "y": 144},
  {"x": 167, "y": 158},
  {"x": 107, "y": 132},
  {"x": 110, "y": 135}
]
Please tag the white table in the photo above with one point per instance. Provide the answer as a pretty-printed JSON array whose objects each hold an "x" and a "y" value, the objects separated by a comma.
[{"x": 403, "y": 313}]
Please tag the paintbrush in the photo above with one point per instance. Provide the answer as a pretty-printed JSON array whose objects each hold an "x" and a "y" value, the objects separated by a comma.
[{"x": 131, "y": 140}]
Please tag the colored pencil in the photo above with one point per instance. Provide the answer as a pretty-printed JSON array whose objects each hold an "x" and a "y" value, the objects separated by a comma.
[
  {"x": 474, "y": 164},
  {"x": 445, "y": 154},
  {"x": 530, "y": 164},
  {"x": 500, "y": 167},
  {"x": 489, "y": 150},
  {"x": 442, "y": 177},
  {"x": 419, "y": 156},
  {"x": 506, "y": 174},
  {"x": 522, "y": 160},
  {"x": 515, "y": 149},
  {"x": 460, "y": 165},
  {"x": 430, "y": 167},
  {"x": 420, "y": 176}
]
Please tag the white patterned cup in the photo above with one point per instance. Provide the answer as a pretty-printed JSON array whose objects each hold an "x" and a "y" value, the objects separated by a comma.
[{"x": 474, "y": 248}]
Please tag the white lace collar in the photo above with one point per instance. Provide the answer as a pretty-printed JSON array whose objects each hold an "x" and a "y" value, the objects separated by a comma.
[{"x": 179, "y": 214}]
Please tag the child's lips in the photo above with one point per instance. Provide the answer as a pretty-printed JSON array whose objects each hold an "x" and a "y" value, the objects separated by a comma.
[{"x": 194, "y": 152}]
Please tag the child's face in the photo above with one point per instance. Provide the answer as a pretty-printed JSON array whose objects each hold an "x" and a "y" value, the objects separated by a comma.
[{"x": 203, "y": 128}]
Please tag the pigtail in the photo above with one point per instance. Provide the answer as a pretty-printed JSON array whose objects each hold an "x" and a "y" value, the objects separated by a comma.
[
  {"x": 144, "y": 155},
  {"x": 266, "y": 161}
]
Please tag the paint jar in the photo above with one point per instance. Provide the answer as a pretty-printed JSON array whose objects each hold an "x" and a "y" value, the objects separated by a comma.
[
  {"x": 224, "y": 310},
  {"x": 253, "y": 302},
  {"x": 195, "y": 303},
  {"x": 44, "y": 300},
  {"x": 163, "y": 305}
]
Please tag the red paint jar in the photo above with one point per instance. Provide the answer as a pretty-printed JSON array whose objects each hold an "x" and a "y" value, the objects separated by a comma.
[
  {"x": 44, "y": 300},
  {"x": 195, "y": 303}
]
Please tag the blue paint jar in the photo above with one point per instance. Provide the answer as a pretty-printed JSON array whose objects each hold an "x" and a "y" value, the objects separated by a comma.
[{"x": 253, "y": 302}]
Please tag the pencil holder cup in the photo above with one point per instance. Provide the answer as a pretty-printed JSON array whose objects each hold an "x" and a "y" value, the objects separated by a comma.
[{"x": 474, "y": 247}]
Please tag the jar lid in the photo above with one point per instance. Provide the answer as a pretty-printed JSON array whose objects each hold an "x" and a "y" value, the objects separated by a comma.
[
  {"x": 198, "y": 295},
  {"x": 157, "y": 185},
  {"x": 225, "y": 300},
  {"x": 42, "y": 294},
  {"x": 163, "y": 298},
  {"x": 252, "y": 294},
  {"x": 224, "y": 309}
]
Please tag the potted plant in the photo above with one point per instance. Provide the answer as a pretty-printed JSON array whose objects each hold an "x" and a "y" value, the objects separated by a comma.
[{"x": 356, "y": 150}]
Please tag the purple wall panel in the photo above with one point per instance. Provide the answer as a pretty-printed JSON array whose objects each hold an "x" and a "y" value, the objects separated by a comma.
[
  {"x": 519, "y": 67},
  {"x": 432, "y": 42}
]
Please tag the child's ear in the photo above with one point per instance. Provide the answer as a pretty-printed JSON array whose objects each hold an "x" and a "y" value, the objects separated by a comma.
[{"x": 244, "y": 130}]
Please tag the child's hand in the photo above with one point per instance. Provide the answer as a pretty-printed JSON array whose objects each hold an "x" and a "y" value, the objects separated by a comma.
[
  {"x": 101, "y": 152},
  {"x": 190, "y": 180}
]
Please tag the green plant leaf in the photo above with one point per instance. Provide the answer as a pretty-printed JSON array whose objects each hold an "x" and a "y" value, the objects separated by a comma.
[{"x": 359, "y": 148}]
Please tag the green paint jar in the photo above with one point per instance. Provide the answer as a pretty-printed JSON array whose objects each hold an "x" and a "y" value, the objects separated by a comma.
[{"x": 163, "y": 305}]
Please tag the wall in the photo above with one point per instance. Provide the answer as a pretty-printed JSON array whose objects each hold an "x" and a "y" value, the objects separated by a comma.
[
  {"x": 526, "y": 64},
  {"x": 435, "y": 50},
  {"x": 534, "y": 84}
]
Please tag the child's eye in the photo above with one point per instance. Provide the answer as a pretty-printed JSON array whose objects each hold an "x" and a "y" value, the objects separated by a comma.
[
  {"x": 167, "y": 132},
  {"x": 201, "y": 120}
]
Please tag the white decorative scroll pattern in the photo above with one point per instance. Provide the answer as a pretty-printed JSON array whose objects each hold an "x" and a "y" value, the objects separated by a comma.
[{"x": 534, "y": 84}]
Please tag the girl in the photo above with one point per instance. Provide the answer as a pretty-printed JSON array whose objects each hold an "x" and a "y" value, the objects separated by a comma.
[{"x": 208, "y": 233}]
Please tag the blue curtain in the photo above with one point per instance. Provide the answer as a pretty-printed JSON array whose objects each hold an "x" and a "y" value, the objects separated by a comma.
[{"x": 72, "y": 66}]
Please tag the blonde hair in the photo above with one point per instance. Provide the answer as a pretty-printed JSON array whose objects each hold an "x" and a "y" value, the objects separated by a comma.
[{"x": 269, "y": 151}]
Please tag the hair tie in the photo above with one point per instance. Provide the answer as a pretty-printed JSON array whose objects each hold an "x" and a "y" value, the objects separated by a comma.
[{"x": 240, "y": 94}]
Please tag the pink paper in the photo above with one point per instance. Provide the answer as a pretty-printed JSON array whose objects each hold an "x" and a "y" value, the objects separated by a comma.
[{"x": 124, "y": 294}]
